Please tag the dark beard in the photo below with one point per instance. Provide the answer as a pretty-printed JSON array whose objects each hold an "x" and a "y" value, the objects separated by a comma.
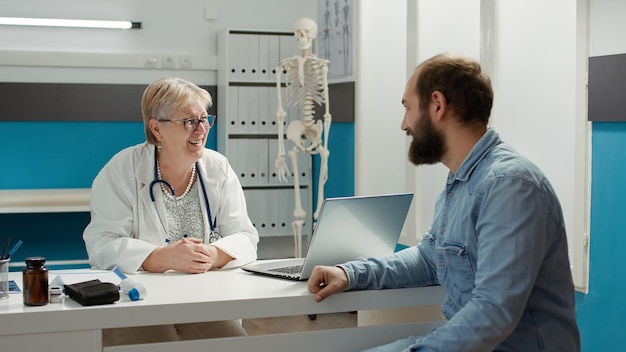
[{"x": 428, "y": 144}]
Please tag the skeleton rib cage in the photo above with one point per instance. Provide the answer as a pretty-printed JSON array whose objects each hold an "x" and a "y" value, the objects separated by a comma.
[{"x": 299, "y": 93}]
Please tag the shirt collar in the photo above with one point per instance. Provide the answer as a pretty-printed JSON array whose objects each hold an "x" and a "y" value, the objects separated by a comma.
[{"x": 478, "y": 152}]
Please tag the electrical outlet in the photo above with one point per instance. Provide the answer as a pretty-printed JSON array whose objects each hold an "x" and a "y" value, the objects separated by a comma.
[
  {"x": 150, "y": 61},
  {"x": 167, "y": 62},
  {"x": 185, "y": 62}
]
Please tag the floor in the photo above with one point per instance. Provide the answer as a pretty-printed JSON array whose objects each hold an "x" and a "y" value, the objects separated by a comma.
[{"x": 299, "y": 323}]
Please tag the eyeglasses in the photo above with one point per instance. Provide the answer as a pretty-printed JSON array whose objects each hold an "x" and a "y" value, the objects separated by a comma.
[{"x": 191, "y": 123}]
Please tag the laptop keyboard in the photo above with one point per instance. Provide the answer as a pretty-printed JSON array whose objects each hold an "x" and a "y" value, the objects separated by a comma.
[{"x": 291, "y": 270}]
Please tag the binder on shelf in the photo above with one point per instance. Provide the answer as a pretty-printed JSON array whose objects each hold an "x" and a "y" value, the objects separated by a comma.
[
  {"x": 304, "y": 160},
  {"x": 286, "y": 207},
  {"x": 243, "y": 57},
  {"x": 273, "y": 56},
  {"x": 233, "y": 156},
  {"x": 263, "y": 211},
  {"x": 264, "y": 63},
  {"x": 264, "y": 110},
  {"x": 231, "y": 65},
  {"x": 253, "y": 57},
  {"x": 272, "y": 201},
  {"x": 252, "y": 162},
  {"x": 262, "y": 151},
  {"x": 243, "y": 109},
  {"x": 252, "y": 206},
  {"x": 242, "y": 161},
  {"x": 253, "y": 109},
  {"x": 272, "y": 178},
  {"x": 233, "y": 108},
  {"x": 238, "y": 56},
  {"x": 273, "y": 109}
]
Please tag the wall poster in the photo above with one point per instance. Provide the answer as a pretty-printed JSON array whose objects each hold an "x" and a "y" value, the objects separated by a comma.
[{"x": 335, "y": 35}]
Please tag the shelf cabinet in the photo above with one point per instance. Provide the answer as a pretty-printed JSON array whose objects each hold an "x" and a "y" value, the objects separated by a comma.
[{"x": 247, "y": 133}]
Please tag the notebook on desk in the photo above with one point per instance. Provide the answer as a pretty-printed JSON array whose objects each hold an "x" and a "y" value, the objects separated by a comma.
[{"x": 347, "y": 228}]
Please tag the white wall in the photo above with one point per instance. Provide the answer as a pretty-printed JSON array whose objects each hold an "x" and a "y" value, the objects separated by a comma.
[
  {"x": 607, "y": 27},
  {"x": 442, "y": 26},
  {"x": 536, "y": 100},
  {"x": 380, "y": 160},
  {"x": 170, "y": 28},
  {"x": 535, "y": 64}
]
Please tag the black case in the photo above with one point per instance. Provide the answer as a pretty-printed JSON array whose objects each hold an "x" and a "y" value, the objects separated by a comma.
[{"x": 93, "y": 292}]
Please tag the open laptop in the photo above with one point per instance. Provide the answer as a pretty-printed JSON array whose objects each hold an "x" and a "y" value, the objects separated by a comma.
[{"x": 347, "y": 228}]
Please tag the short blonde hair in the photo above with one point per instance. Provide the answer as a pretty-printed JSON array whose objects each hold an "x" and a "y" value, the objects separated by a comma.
[{"x": 165, "y": 96}]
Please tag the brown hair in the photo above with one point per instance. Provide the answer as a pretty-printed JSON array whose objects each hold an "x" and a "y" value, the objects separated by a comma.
[{"x": 466, "y": 87}]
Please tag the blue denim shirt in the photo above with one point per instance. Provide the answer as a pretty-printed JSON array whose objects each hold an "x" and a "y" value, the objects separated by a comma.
[{"x": 498, "y": 246}]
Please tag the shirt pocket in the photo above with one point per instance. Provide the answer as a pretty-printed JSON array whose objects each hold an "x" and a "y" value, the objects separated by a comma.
[{"x": 459, "y": 272}]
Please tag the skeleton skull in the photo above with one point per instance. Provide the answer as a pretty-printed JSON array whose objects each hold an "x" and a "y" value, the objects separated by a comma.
[{"x": 305, "y": 30}]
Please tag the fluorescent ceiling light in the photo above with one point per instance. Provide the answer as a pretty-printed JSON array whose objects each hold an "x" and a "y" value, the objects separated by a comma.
[{"x": 51, "y": 22}]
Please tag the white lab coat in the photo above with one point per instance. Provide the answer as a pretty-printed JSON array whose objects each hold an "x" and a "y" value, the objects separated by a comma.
[{"x": 126, "y": 225}]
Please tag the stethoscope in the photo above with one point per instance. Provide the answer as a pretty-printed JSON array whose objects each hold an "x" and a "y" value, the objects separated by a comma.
[{"x": 213, "y": 235}]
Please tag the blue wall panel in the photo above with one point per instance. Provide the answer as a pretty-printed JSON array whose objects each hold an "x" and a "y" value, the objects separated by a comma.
[
  {"x": 601, "y": 312},
  {"x": 60, "y": 154},
  {"x": 63, "y": 154},
  {"x": 55, "y": 236},
  {"x": 340, "y": 181}
]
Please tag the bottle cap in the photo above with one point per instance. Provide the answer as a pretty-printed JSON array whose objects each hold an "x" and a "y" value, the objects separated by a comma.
[
  {"x": 36, "y": 260},
  {"x": 133, "y": 294}
]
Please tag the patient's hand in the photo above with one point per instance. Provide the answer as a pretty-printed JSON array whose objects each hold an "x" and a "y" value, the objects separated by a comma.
[{"x": 327, "y": 280}]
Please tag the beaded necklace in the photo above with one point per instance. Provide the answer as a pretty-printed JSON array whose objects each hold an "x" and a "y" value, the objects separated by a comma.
[{"x": 166, "y": 191}]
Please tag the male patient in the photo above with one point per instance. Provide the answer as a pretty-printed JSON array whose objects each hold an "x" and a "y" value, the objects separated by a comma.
[{"x": 497, "y": 243}]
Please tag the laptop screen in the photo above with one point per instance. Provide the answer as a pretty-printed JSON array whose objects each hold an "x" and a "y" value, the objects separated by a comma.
[{"x": 347, "y": 228}]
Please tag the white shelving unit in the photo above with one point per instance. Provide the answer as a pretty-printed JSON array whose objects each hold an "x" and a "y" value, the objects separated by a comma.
[
  {"x": 247, "y": 133},
  {"x": 44, "y": 200},
  {"x": 38, "y": 201}
]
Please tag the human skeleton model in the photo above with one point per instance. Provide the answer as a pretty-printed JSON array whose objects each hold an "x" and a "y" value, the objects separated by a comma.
[{"x": 307, "y": 83}]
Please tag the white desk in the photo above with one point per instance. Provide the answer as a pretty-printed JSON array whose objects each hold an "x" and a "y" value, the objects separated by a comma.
[{"x": 217, "y": 295}]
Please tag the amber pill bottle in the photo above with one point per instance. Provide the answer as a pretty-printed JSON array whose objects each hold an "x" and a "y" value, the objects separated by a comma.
[{"x": 35, "y": 282}]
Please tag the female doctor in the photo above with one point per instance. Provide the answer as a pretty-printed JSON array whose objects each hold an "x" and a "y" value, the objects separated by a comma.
[{"x": 170, "y": 204}]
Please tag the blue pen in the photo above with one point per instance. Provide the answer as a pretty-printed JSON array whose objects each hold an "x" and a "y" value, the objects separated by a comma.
[
  {"x": 17, "y": 245},
  {"x": 119, "y": 273}
]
